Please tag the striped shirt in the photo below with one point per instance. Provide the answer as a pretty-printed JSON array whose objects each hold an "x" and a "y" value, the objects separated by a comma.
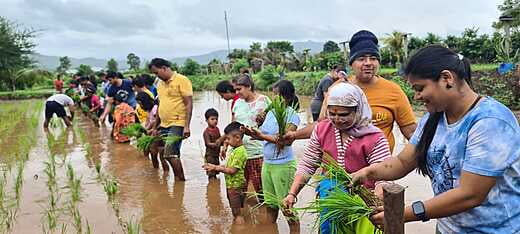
[{"x": 313, "y": 154}]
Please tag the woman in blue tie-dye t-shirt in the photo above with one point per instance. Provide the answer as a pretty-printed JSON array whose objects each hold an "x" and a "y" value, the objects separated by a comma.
[{"x": 468, "y": 145}]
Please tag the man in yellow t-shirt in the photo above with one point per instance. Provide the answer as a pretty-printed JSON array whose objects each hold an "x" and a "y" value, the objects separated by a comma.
[{"x": 175, "y": 109}]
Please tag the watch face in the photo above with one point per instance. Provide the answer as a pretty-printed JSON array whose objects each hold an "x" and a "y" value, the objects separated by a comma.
[{"x": 418, "y": 208}]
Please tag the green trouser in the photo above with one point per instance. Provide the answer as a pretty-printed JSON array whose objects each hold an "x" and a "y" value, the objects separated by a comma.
[{"x": 277, "y": 179}]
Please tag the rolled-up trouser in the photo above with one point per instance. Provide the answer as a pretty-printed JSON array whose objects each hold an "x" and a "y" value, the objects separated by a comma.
[
  {"x": 236, "y": 197},
  {"x": 172, "y": 150}
]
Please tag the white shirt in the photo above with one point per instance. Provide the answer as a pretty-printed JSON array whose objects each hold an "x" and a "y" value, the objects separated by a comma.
[{"x": 62, "y": 99}]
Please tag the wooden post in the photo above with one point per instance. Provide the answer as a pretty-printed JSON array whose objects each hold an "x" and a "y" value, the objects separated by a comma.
[{"x": 394, "y": 208}]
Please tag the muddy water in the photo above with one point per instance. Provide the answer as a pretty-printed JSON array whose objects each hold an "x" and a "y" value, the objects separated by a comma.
[{"x": 162, "y": 204}]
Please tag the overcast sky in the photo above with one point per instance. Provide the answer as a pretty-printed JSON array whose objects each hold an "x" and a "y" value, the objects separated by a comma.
[{"x": 173, "y": 28}]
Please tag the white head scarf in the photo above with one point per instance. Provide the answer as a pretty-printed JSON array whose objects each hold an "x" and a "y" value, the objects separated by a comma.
[{"x": 350, "y": 95}]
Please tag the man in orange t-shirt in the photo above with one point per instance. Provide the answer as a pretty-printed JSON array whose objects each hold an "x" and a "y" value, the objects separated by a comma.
[
  {"x": 58, "y": 84},
  {"x": 387, "y": 100}
]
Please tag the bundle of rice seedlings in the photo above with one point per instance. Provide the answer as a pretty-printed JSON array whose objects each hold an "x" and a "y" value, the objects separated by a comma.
[
  {"x": 333, "y": 171},
  {"x": 168, "y": 140},
  {"x": 144, "y": 142},
  {"x": 341, "y": 209},
  {"x": 282, "y": 115},
  {"x": 133, "y": 130}
]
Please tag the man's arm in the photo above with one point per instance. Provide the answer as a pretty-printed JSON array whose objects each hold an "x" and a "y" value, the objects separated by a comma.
[
  {"x": 408, "y": 130},
  {"x": 110, "y": 100},
  {"x": 188, "y": 103}
]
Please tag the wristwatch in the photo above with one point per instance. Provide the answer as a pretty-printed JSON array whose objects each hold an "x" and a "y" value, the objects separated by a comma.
[{"x": 419, "y": 211}]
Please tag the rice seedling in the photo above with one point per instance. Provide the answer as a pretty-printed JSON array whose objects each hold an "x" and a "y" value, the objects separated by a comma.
[
  {"x": 282, "y": 113},
  {"x": 134, "y": 130},
  {"x": 111, "y": 187},
  {"x": 74, "y": 185},
  {"x": 273, "y": 201},
  {"x": 88, "y": 231},
  {"x": 333, "y": 171},
  {"x": 342, "y": 209},
  {"x": 168, "y": 140},
  {"x": 133, "y": 227},
  {"x": 98, "y": 167},
  {"x": 346, "y": 204},
  {"x": 144, "y": 142},
  {"x": 18, "y": 183}
]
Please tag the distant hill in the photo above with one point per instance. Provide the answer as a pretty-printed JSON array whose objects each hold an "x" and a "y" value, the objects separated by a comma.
[
  {"x": 52, "y": 62},
  {"x": 203, "y": 58}
]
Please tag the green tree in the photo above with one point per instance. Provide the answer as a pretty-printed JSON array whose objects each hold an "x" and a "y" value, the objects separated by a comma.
[
  {"x": 255, "y": 47},
  {"x": 477, "y": 48},
  {"x": 415, "y": 43},
  {"x": 280, "y": 46},
  {"x": 85, "y": 70},
  {"x": 133, "y": 61},
  {"x": 112, "y": 65},
  {"x": 190, "y": 67},
  {"x": 509, "y": 8},
  {"x": 330, "y": 47},
  {"x": 239, "y": 64},
  {"x": 237, "y": 54},
  {"x": 215, "y": 66},
  {"x": 65, "y": 65},
  {"x": 16, "y": 44},
  {"x": 452, "y": 42},
  {"x": 174, "y": 66},
  {"x": 432, "y": 39},
  {"x": 395, "y": 43}
]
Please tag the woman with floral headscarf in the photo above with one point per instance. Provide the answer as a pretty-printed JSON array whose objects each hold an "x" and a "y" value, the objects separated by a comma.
[
  {"x": 348, "y": 136},
  {"x": 124, "y": 115}
]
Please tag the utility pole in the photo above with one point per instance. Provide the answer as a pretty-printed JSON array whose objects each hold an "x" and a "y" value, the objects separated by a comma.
[
  {"x": 345, "y": 52},
  {"x": 227, "y": 33}
]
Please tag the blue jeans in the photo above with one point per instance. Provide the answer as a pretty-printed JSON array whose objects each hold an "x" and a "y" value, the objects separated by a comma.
[
  {"x": 324, "y": 188},
  {"x": 172, "y": 150}
]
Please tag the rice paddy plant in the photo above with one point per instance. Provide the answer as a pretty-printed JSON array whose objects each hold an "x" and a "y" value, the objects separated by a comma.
[
  {"x": 133, "y": 227},
  {"x": 144, "y": 142},
  {"x": 98, "y": 167},
  {"x": 342, "y": 209},
  {"x": 74, "y": 185},
  {"x": 272, "y": 200},
  {"x": 134, "y": 130},
  {"x": 111, "y": 187},
  {"x": 88, "y": 231},
  {"x": 168, "y": 140},
  {"x": 333, "y": 171},
  {"x": 19, "y": 183},
  {"x": 282, "y": 113}
]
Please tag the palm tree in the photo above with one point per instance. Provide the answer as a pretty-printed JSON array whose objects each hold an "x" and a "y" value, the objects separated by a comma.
[{"x": 395, "y": 42}]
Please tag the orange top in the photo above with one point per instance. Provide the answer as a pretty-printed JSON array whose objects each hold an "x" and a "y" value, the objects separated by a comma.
[{"x": 388, "y": 103}]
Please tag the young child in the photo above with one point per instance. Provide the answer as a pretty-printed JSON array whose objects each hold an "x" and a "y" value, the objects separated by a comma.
[
  {"x": 93, "y": 103},
  {"x": 124, "y": 115},
  {"x": 212, "y": 140},
  {"x": 148, "y": 104},
  {"x": 234, "y": 170}
]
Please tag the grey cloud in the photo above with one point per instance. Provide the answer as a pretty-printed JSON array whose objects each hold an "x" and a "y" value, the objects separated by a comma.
[
  {"x": 169, "y": 28},
  {"x": 117, "y": 17}
]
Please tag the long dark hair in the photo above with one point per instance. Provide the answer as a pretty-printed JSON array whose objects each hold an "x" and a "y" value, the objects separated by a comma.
[
  {"x": 428, "y": 63},
  {"x": 146, "y": 101},
  {"x": 287, "y": 91}
]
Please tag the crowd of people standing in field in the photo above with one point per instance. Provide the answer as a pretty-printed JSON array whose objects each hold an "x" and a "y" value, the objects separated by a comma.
[{"x": 467, "y": 144}]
